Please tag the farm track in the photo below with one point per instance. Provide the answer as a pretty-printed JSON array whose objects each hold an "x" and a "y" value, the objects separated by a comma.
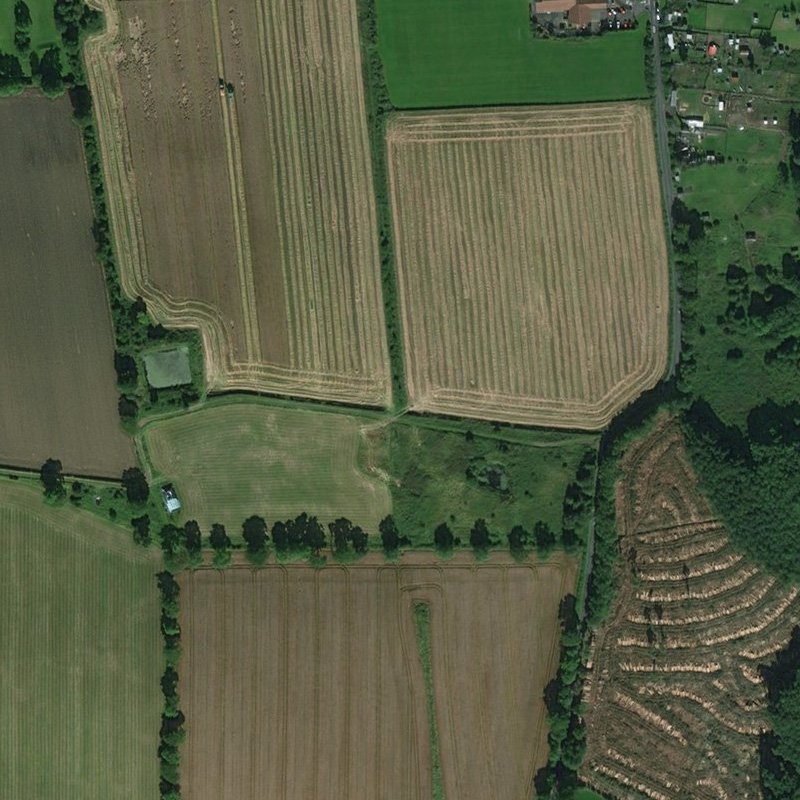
[
  {"x": 354, "y": 716},
  {"x": 535, "y": 291},
  {"x": 287, "y": 296},
  {"x": 675, "y": 668}
]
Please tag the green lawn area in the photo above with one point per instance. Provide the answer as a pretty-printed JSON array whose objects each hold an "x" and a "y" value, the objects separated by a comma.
[
  {"x": 587, "y": 794},
  {"x": 81, "y": 655},
  {"x": 746, "y": 187},
  {"x": 733, "y": 17},
  {"x": 231, "y": 460},
  {"x": 439, "y": 53},
  {"x": 43, "y": 27},
  {"x": 440, "y": 475},
  {"x": 786, "y": 30}
]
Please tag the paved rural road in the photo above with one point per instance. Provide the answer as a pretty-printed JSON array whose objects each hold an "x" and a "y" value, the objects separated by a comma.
[{"x": 662, "y": 151}]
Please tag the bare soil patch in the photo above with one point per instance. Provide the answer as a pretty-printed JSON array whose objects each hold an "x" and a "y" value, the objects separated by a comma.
[
  {"x": 302, "y": 683},
  {"x": 245, "y": 208},
  {"x": 58, "y": 393},
  {"x": 675, "y": 669},
  {"x": 531, "y": 261}
]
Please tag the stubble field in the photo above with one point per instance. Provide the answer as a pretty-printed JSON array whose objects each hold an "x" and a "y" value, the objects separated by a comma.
[
  {"x": 302, "y": 683},
  {"x": 81, "y": 655},
  {"x": 531, "y": 261},
  {"x": 57, "y": 384},
  {"x": 676, "y": 668},
  {"x": 248, "y": 213}
]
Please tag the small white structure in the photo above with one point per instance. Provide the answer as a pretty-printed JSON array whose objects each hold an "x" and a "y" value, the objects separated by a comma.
[
  {"x": 694, "y": 123},
  {"x": 170, "y": 499},
  {"x": 721, "y": 105},
  {"x": 671, "y": 41}
]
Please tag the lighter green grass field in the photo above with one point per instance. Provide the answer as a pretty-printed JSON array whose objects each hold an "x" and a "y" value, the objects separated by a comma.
[
  {"x": 439, "y": 53},
  {"x": 786, "y": 31},
  {"x": 81, "y": 656},
  {"x": 587, "y": 794},
  {"x": 733, "y": 17},
  {"x": 233, "y": 460},
  {"x": 43, "y": 31}
]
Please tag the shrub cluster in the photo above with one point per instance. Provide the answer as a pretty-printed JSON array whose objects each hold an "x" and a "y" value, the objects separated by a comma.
[
  {"x": 379, "y": 106},
  {"x": 172, "y": 732}
]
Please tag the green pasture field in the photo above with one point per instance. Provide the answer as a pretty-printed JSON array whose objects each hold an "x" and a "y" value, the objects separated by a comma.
[
  {"x": 733, "y": 17},
  {"x": 167, "y": 368},
  {"x": 439, "y": 53},
  {"x": 232, "y": 459},
  {"x": 446, "y": 474},
  {"x": 587, "y": 794},
  {"x": 229, "y": 461},
  {"x": 745, "y": 193},
  {"x": 785, "y": 31},
  {"x": 43, "y": 31},
  {"x": 81, "y": 652}
]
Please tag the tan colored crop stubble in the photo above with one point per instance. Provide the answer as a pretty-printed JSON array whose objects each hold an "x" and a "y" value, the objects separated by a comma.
[
  {"x": 250, "y": 216},
  {"x": 302, "y": 684},
  {"x": 531, "y": 261}
]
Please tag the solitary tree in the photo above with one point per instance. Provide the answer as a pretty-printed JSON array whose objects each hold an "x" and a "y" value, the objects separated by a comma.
[
  {"x": 221, "y": 543},
  {"x": 359, "y": 538},
  {"x": 254, "y": 531},
  {"x": 136, "y": 487},
  {"x": 341, "y": 530},
  {"x": 192, "y": 537},
  {"x": 390, "y": 536},
  {"x": 280, "y": 536},
  {"x": 52, "y": 479},
  {"x": 517, "y": 539},
  {"x": 544, "y": 537},
  {"x": 443, "y": 538},
  {"x": 50, "y": 72},
  {"x": 141, "y": 530},
  {"x": 479, "y": 537},
  {"x": 314, "y": 535}
]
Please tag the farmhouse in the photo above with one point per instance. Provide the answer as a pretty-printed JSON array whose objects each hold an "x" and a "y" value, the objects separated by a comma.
[
  {"x": 578, "y": 14},
  {"x": 170, "y": 499}
]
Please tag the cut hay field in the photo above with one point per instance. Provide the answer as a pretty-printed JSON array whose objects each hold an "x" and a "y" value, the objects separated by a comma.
[
  {"x": 676, "y": 668},
  {"x": 531, "y": 261},
  {"x": 249, "y": 214},
  {"x": 234, "y": 460},
  {"x": 301, "y": 683},
  {"x": 81, "y": 655},
  {"x": 58, "y": 393}
]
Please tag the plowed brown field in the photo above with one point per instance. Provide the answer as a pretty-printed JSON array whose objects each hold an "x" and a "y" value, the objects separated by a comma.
[
  {"x": 302, "y": 683},
  {"x": 531, "y": 261},
  {"x": 675, "y": 700},
  {"x": 249, "y": 216},
  {"x": 58, "y": 394}
]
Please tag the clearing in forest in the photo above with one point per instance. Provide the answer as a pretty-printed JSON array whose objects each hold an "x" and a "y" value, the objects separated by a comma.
[
  {"x": 531, "y": 261},
  {"x": 301, "y": 683},
  {"x": 234, "y": 139},
  {"x": 676, "y": 668},
  {"x": 82, "y": 655},
  {"x": 58, "y": 394},
  {"x": 232, "y": 460}
]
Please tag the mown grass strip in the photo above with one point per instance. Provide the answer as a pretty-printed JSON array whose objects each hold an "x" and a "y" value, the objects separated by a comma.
[{"x": 422, "y": 623}]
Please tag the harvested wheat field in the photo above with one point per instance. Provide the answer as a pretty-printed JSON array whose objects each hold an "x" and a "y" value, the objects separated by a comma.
[
  {"x": 58, "y": 394},
  {"x": 675, "y": 700},
  {"x": 531, "y": 261},
  {"x": 234, "y": 138},
  {"x": 301, "y": 683},
  {"x": 82, "y": 655}
]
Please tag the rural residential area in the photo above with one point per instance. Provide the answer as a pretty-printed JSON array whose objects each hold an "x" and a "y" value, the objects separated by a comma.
[{"x": 400, "y": 400}]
